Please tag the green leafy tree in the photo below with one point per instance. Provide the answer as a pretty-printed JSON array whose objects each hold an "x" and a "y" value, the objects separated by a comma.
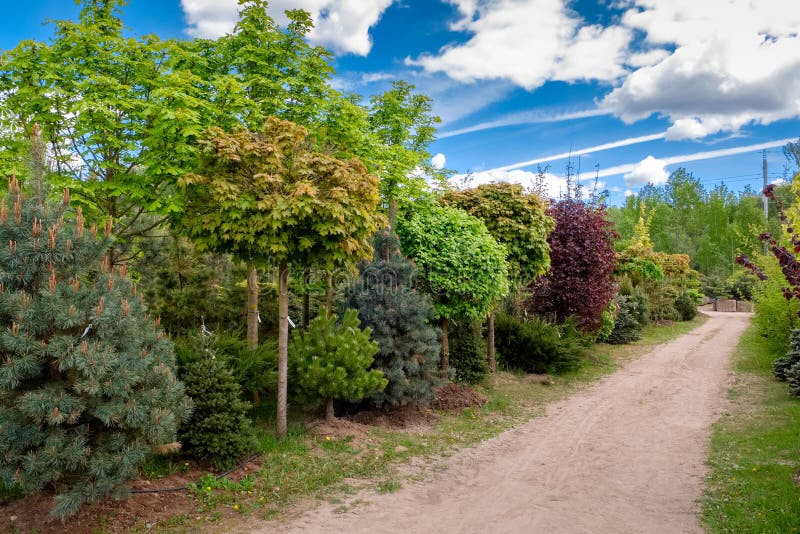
[
  {"x": 399, "y": 316},
  {"x": 87, "y": 388},
  {"x": 460, "y": 264},
  {"x": 516, "y": 219},
  {"x": 332, "y": 361},
  {"x": 274, "y": 199}
]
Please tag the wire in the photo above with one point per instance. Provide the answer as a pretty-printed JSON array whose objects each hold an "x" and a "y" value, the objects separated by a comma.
[{"x": 186, "y": 487}]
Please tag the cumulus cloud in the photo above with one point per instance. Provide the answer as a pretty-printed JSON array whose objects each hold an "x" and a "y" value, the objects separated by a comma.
[
  {"x": 648, "y": 171},
  {"x": 528, "y": 42},
  {"x": 438, "y": 161},
  {"x": 342, "y": 25},
  {"x": 735, "y": 62}
]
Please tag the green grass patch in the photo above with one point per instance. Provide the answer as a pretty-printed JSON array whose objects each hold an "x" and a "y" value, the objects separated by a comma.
[{"x": 755, "y": 451}]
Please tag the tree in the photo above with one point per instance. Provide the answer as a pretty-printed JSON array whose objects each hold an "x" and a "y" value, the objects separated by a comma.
[
  {"x": 118, "y": 119},
  {"x": 516, "y": 219},
  {"x": 580, "y": 282},
  {"x": 274, "y": 199},
  {"x": 87, "y": 388},
  {"x": 461, "y": 265},
  {"x": 332, "y": 361},
  {"x": 399, "y": 315}
]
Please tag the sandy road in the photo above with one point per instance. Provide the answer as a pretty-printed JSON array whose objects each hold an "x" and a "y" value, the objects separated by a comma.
[{"x": 625, "y": 456}]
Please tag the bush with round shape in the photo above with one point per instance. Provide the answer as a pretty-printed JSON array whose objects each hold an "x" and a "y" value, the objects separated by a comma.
[
  {"x": 627, "y": 328},
  {"x": 538, "y": 346}
]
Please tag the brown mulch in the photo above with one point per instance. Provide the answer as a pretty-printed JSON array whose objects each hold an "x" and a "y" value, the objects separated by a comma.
[
  {"x": 30, "y": 514},
  {"x": 405, "y": 417},
  {"x": 456, "y": 397}
]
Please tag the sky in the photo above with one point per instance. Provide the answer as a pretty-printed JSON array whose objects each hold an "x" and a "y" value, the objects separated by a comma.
[{"x": 627, "y": 90}]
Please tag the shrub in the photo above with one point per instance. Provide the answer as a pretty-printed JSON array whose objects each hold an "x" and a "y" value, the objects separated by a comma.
[
  {"x": 607, "y": 322},
  {"x": 219, "y": 430},
  {"x": 332, "y": 361},
  {"x": 536, "y": 345},
  {"x": 580, "y": 281},
  {"x": 775, "y": 316},
  {"x": 627, "y": 328},
  {"x": 793, "y": 379},
  {"x": 686, "y": 306},
  {"x": 781, "y": 365},
  {"x": 399, "y": 315},
  {"x": 468, "y": 352},
  {"x": 640, "y": 306},
  {"x": 87, "y": 386}
]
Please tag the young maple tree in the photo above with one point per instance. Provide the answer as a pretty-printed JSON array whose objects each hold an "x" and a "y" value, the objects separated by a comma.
[
  {"x": 460, "y": 264},
  {"x": 267, "y": 197},
  {"x": 580, "y": 282},
  {"x": 516, "y": 219}
]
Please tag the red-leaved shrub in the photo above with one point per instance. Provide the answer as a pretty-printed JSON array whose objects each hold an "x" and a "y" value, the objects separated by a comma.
[{"x": 580, "y": 282}]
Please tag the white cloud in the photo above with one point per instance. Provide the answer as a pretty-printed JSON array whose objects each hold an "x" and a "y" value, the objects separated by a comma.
[
  {"x": 648, "y": 171},
  {"x": 528, "y": 42},
  {"x": 628, "y": 192},
  {"x": 342, "y": 25},
  {"x": 735, "y": 62},
  {"x": 438, "y": 161}
]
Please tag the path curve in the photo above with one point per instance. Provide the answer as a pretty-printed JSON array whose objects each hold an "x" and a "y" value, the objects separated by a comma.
[{"x": 626, "y": 455}]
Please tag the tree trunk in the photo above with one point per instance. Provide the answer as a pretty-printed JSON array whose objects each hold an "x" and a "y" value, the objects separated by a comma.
[
  {"x": 329, "y": 415},
  {"x": 306, "y": 298},
  {"x": 392, "y": 212},
  {"x": 283, "y": 346},
  {"x": 252, "y": 309},
  {"x": 329, "y": 296},
  {"x": 490, "y": 343},
  {"x": 445, "y": 363}
]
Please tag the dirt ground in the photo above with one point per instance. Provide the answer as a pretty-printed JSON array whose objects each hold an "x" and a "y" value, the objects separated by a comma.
[{"x": 623, "y": 456}]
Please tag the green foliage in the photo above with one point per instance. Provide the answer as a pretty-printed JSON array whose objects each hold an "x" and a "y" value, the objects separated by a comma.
[
  {"x": 627, "y": 328},
  {"x": 782, "y": 365},
  {"x": 607, "y": 322},
  {"x": 742, "y": 285},
  {"x": 332, "y": 360},
  {"x": 87, "y": 385},
  {"x": 468, "y": 352},
  {"x": 538, "y": 346},
  {"x": 399, "y": 316},
  {"x": 219, "y": 430},
  {"x": 775, "y": 317},
  {"x": 461, "y": 265},
  {"x": 793, "y": 379},
  {"x": 516, "y": 219},
  {"x": 273, "y": 198},
  {"x": 686, "y": 306},
  {"x": 640, "y": 306}
]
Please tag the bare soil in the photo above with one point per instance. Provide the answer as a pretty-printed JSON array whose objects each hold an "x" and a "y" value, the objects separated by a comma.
[{"x": 626, "y": 455}]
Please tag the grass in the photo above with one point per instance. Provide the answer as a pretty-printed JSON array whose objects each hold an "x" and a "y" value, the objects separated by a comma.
[{"x": 755, "y": 451}]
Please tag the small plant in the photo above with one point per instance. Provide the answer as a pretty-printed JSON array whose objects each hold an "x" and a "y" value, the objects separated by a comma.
[
  {"x": 686, "y": 306},
  {"x": 332, "y": 361},
  {"x": 782, "y": 365},
  {"x": 626, "y": 328},
  {"x": 219, "y": 430},
  {"x": 538, "y": 346},
  {"x": 468, "y": 353}
]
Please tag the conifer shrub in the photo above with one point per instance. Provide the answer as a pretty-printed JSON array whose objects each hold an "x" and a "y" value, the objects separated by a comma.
[
  {"x": 627, "y": 328},
  {"x": 87, "y": 389},
  {"x": 536, "y": 345},
  {"x": 640, "y": 306},
  {"x": 793, "y": 379},
  {"x": 781, "y": 365},
  {"x": 686, "y": 306},
  {"x": 468, "y": 352},
  {"x": 332, "y": 360},
  {"x": 400, "y": 318},
  {"x": 219, "y": 430}
]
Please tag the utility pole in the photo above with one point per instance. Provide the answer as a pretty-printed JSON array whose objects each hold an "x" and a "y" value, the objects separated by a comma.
[{"x": 763, "y": 196}]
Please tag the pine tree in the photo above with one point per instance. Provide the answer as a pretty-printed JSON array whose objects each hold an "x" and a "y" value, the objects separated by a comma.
[
  {"x": 399, "y": 315},
  {"x": 332, "y": 361},
  {"x": 87, "y": 388},
  {"x": 219, "y": 429}
]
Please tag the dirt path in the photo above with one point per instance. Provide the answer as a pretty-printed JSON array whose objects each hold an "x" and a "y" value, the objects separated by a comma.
[{"x": 623, "y": 456}]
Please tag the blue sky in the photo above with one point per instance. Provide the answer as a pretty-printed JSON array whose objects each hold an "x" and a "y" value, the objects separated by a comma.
[{"x": 633, "y": 88}]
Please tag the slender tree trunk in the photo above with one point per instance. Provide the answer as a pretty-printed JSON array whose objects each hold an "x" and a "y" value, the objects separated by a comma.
[
  {"x": 306, "y": 298},
  {"x": 329, "y": 295},
  {"x": 445, "y": 363},
  {"x": 283, "y": 346},
  {"x": 490, "y": 343},
  {"x": 329, "y": 415},
  {"x": 252, "y": 308},
  {"x": 392, "y": 212}
]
